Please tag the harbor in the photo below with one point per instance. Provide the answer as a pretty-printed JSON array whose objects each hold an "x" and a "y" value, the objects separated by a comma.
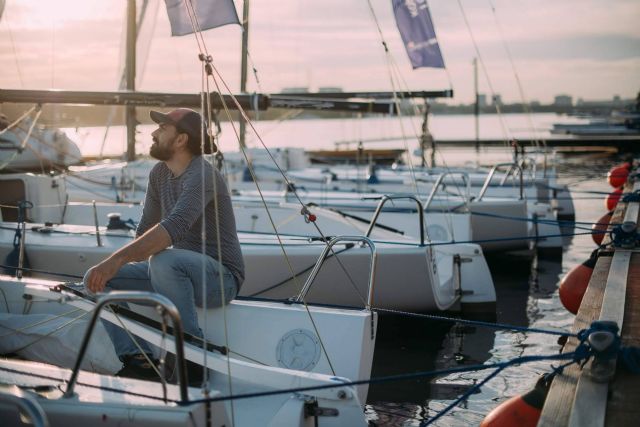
[
  {"x": 604, "y": 393},
  {"x": 334, "y": 243}
]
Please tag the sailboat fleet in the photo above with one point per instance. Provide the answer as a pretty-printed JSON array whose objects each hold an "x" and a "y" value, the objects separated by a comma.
[{"x": 304, "y": 327}]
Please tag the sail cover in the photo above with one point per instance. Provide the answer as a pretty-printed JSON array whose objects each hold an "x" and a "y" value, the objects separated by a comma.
[
  {"x": 208, "y": 14},
  {"x": 416, "y": 28}
]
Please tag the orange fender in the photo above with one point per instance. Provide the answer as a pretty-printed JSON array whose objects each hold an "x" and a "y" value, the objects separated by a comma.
[
  {"x": 617, "y": 176},
  {"x": 598, "y": 230},
  {"x": 611, "y": 200},
  {"x": 520, "y": 411},
  {"x": 574, "y": 284}
]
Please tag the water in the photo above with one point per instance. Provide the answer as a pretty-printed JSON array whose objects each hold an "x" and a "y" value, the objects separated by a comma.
[
  {"x": 323, "y": 134},
  {"x": 526, "y": 296},
  {"x": 526, "y": 289}
]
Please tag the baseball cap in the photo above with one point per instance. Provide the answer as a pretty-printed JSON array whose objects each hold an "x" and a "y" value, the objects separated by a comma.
[{"x": 187, "y": 121}]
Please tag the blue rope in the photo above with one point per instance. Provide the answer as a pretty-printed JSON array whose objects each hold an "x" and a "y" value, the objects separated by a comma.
[
  {"x": 425, "y": 374},
  {"x": 624, "y": 238},
  {"x": 551, "y": 187},
  {"x": 462, "y": 397},
  {"x": 631, "y": 197},
  {"x": 539, "y": 221},
  {"x": 504, "y": 239},
  {"x": 583, "y": 352},
  {"x": 453, "y": 242},
  {"x": 494, "y": 325}
]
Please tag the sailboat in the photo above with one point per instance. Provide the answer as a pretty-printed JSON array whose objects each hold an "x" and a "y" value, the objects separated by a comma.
[
  {"x": 281, "y": 372},
  {"x": 434, "y": 277},
  {"x": 270, "y": 348},
  {"x": 27, "y": 146}
]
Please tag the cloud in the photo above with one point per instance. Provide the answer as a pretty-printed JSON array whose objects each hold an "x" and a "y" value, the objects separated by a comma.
[{"x": 336, "y": 43}]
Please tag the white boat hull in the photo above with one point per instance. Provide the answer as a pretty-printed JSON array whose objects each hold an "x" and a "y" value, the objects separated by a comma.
[
  {"x": 257, "y": 334},
  {"x": 408, "y": 277}
]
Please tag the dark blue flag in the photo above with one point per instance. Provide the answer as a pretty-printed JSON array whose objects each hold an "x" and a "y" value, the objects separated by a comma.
[
  {"x": 208, "y": 14},
  {"x": 419, "y": 36}
]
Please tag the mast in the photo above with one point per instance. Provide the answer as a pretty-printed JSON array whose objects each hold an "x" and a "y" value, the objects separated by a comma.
[
  {"x": 476, "y": 109},
  {"x": 130, "y": 69},
  {"x": 243, "y": 65}
]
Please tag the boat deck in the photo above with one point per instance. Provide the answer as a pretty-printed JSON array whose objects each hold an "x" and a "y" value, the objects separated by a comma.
[{"x": 613, "y": 293}]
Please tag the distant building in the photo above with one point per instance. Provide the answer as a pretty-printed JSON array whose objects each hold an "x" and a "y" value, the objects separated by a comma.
[
  {"x": 326, "y": 89},
  {"x": 497, "y": 99},
  {"x": 563, "y": 101},
  {"x": 295, "y": 90},
  {"x": 482, "y": 100}
]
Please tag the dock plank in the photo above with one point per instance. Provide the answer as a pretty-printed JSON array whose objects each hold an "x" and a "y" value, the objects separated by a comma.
[
  {"x": 560, "y": 399},
  {"x": 623, "y": 408},
  {"x": 623, "y": 403}
]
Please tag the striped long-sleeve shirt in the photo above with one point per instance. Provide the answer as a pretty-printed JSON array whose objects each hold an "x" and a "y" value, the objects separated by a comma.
[{"x": 176, "y": 203}]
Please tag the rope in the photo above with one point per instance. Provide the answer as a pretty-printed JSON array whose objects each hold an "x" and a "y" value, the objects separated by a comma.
[
  {"x": 25, "y": 141},
  {"x": 98, "y": 387},
  {"x": 493, "y": 325},
  {"x": 18, "y": 120},
  {"x": 559, "y": 222},
  {"x": 213, "y": 70},
  {"x": 38, "y": 323},
  {"x": 573, "y": 356},
  {"x": 64, "y": 325},
  {"x": 526, "y": 107},
  {"x": 403, "y": 377},
  {"x": 391, "y": 66}
]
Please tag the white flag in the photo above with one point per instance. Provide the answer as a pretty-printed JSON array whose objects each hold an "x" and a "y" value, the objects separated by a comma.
[{"x": 208, "y": 13}]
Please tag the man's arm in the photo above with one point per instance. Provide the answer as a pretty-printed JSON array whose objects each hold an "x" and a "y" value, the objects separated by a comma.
[
  {"x": 151, "y": 242},
  {"x": 151, "y": 207}
]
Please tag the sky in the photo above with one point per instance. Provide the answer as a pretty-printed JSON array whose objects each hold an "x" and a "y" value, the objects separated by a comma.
[{"x": 587, "y": 49}]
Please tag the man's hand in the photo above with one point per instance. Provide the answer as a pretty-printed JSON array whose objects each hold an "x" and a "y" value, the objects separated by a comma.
[
  {"x": 151, "y": 242},
  {"x": 97, "y": 276}
]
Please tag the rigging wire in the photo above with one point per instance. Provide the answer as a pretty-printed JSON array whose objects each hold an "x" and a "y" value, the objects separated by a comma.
[
  {"x": 203, "y": 140},
  {"x": 123, "y": 77},
  {"x": 25, "y": 140},
  {"x": 13, "y": 48},
  {"x": 210, "y": 72},
  {"x": 202, "y": 45},
  {"x": 526, "y": 106},
  {"x": 393, "y": 66},
  {"x": 48, "y": 334},
  {"x": 503, "y": 125}
]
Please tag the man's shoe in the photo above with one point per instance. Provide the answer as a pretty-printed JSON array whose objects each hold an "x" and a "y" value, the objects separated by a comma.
[
  {"x": 194, "y": 371},
  {"x": 137, "y": 366},
  {"x": 195, "y": 374}
]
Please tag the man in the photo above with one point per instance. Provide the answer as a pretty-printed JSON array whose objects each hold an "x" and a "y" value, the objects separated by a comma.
[{"x": 166, "y": 256}]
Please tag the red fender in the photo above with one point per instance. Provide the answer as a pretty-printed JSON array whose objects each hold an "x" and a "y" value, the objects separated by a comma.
[
  {"x": 574, "y": 284},
  {"x": 598, "y": 230},
  {"x": 520, "y": 411},
  {"x": 617, "y": 176},
  {"x": 611, "y": 200}
]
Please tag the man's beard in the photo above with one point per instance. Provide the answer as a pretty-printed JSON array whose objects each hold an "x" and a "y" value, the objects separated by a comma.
[{"x": 159, "y": 152}]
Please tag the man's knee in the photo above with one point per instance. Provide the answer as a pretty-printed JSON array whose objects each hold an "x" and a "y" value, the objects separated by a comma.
[{"x": 162, "y": 263}]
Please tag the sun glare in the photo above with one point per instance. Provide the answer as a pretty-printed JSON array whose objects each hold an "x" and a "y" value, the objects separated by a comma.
[{"x": 61, "y": 12}]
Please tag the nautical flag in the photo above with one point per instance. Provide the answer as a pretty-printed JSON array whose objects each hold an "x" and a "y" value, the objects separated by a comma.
[
  {"x": 416, "y": 28},
  {"x": 208, "y": 13}
]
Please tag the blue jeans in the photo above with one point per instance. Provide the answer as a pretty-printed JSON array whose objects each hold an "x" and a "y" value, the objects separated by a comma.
[{"x": 176, "y": 274}]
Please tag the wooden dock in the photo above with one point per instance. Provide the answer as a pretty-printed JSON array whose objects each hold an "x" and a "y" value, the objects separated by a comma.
[{"x": 613, "y": 294}]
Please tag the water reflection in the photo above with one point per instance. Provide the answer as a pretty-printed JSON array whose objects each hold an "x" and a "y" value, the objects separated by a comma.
[
  {"x": 526, "y": 289},
  {"x": 408, "y": 345}
]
